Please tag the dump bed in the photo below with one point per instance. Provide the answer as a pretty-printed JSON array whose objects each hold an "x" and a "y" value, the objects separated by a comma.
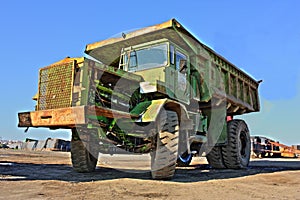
[{"x": 231, "y": 83}]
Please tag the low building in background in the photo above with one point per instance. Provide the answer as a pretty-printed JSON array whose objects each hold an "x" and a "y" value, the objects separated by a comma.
[{"x": 51, "y": 144}]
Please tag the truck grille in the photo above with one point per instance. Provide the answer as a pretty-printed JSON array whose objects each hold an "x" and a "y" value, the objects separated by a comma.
[{"x": 55, "y": 86}]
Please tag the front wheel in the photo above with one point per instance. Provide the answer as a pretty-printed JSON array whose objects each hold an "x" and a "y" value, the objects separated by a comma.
[
  {"x": 84, "y": 150},
  {"x": 164, "y": 156}
]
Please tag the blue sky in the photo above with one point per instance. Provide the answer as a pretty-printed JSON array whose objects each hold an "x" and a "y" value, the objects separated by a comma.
[{"x": 261, "y": 37}]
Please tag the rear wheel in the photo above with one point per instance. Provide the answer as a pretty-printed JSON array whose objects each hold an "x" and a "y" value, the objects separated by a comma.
[
  {"x": 84, "y": 150},
  {"x": 164, "y": 156},
  {"x": 215, "y": 158},
  {"x": 236, "y": 154}
]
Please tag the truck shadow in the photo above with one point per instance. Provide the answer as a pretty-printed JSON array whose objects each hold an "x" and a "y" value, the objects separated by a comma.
[{"x": 13, "y": 171}]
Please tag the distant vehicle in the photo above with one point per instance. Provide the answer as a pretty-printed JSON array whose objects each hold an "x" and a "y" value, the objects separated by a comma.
[
  {"x": 265, "y": 147},
  {"x": 4, "y": 146},
  {"x": 157, "y": 90}
]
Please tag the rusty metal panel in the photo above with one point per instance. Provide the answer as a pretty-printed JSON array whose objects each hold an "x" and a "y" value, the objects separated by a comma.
[
  {"x": 24, "y": 119},
  {"x": 62, "y": 117},
  {"x": 55, "y": 86}
]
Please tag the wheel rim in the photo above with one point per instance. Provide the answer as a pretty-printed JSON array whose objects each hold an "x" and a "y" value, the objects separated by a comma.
[
  {"x": 243, "y": 144},
  {"x": 185, "y": 158}
]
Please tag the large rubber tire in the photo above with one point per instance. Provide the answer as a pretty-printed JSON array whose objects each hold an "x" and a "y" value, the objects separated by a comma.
[
  {"x": 236, "y": 154},
  {"x": 164, "y": 156},
  {"x": 84, "y": 150},
  {"x": 215, "y": 158},
  {"x": 184, "y": 160}
]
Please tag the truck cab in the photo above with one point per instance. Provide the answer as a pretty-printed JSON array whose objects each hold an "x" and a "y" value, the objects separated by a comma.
[{"x": 163, "y": 65}]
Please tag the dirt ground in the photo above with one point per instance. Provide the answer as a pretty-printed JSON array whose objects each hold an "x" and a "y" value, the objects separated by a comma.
[{"x": 49, "y": 175}]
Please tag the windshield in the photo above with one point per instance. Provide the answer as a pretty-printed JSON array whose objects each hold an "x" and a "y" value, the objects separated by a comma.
[{"x": 150, "y": 57}]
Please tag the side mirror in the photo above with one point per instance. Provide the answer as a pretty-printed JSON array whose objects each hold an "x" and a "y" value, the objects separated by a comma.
[{"x": 182, "y": 66}]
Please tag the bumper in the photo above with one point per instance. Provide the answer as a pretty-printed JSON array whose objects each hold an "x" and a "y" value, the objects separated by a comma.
[
  {"x": 62, "y": 117},
  {"x": 68, "y": 117}
]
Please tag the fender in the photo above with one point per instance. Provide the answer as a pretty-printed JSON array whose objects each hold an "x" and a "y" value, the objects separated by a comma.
[{"x": 150, "y": 110}]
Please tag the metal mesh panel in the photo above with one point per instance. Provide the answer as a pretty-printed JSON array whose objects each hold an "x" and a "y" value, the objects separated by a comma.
[{"x": 55, "y": 86}]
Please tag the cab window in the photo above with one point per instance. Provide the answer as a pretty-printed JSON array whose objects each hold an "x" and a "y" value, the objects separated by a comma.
[{"x": 149, "y": 57}]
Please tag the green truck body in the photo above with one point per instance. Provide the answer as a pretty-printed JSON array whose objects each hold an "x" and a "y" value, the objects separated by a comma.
[{"x": 154, "y": 90}]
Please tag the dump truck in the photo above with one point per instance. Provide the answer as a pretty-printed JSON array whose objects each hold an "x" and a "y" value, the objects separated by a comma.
[{"x": 156, "y": 90}]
